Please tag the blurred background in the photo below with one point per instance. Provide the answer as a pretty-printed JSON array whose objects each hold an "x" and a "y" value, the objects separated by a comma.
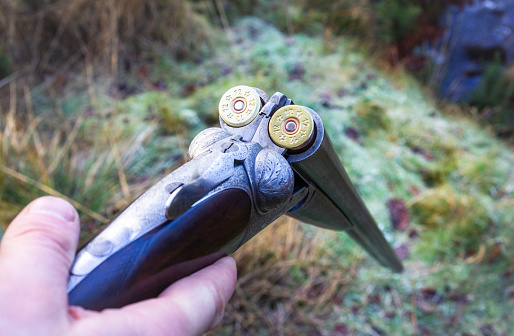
[{"x": 100, "y": 99}]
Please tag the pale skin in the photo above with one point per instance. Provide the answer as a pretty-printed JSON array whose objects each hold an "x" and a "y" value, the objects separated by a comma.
[{"x": 36, "y": 253}]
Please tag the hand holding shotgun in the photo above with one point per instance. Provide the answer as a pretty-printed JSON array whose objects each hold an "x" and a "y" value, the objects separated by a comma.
[
  {"x": 269, "y": 158},
  {"x": 36, "y": 253}
]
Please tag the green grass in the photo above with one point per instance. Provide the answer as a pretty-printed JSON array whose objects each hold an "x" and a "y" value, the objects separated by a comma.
[{"x": 455, "y": 178}]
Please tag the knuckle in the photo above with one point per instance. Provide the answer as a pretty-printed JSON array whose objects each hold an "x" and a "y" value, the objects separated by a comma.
[{"x": 45, "y": 231}]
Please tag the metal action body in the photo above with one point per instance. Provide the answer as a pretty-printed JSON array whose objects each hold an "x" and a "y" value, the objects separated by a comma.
[{"x": 269, "y": 158}]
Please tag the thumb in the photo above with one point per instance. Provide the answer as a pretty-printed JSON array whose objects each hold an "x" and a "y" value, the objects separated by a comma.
[{"x": 37, "y": 250}]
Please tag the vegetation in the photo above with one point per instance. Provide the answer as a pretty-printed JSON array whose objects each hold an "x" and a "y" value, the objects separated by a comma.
[
  {"x": 100, "y": 138},
  {"x": 44, "y": 36},
  {"x": 494, "y": 97}
]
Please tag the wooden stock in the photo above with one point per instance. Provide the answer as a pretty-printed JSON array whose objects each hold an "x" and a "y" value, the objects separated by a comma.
[{"x": 178, "y": 248}]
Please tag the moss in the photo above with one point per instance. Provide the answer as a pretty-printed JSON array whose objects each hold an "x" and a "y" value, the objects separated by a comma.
[
  {"x": 371, "y": 117},
  {"x": 457, "y": 221},
  {"x": 488, "y": 172}
]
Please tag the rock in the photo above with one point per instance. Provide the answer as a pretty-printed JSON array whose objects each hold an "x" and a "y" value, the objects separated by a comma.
[
  {"x": 477, "y": 35},
  {"x": 478, "y": 25}
]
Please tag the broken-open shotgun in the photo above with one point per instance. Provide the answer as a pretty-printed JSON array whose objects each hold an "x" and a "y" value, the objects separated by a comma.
[{"x": 270, "y": 157}]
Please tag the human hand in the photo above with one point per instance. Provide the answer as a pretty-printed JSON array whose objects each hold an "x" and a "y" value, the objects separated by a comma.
[{"x": 36, "y": 253}]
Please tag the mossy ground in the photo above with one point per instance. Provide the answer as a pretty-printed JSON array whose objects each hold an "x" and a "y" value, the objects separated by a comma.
[{"x": 102, "y": 147}]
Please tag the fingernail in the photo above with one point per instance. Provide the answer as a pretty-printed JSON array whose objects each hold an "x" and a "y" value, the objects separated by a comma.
[
  {"x": 55, "y": 207},
  {"x": 227, "y": 260}
]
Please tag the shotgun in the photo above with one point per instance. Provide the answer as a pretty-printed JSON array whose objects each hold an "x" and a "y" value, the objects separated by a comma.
[{"x": 270, "y": 157}]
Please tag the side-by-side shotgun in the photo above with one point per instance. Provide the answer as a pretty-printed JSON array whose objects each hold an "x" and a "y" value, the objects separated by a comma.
[{"x": 269, "y": 158}]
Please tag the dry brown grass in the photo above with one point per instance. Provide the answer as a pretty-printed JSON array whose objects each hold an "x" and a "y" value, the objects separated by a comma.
[
  {"x": 50, "y": 36},
  {"x": 287, "y": 283},
  {"x": 43, "y": 151}
]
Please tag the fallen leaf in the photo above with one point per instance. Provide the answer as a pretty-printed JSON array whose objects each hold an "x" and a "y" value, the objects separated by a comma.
[
  {"x": 353, "y": 134},
  {"x": 487, "y": 329},
  {"x": 414, "y": 190},
  {"x": 402, "y": 251},
  {"x": 495, "y": 253},
  {"x": 342, "y": 92},
  {"x": 431, "y": 294},
  {"x": 460, "y": 298},
  {"x": 340, "y": 329},
  {"x": 413, "y": 234},
  {"x": 355, "y": 309},
  {"x": 297, "y": 72},
  {"x": 189, "y": 89},
  {"x": 398, "y": 213},
  {"x": 375, "y": 298}
]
